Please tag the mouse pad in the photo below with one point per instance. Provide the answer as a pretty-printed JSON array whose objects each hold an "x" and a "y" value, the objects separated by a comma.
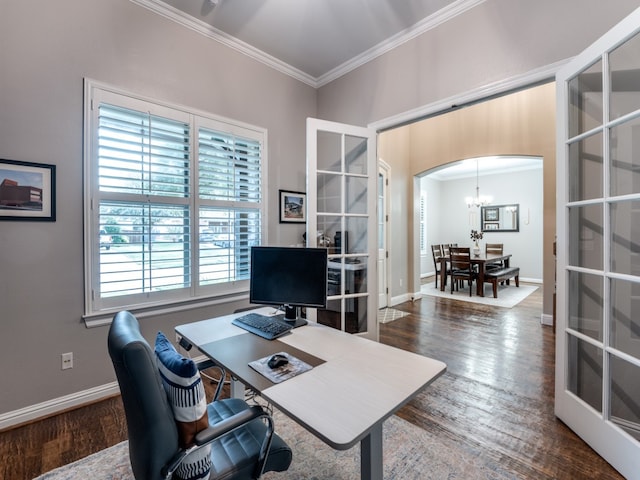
[{"x": 282, "y": 373}]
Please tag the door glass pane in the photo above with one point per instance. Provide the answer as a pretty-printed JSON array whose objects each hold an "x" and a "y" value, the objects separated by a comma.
[
  {"x": 355, "y": 155},
  {"x": 586, "y": 168},
  {"x": 585, "y": 371},
  {"x": 329, "y": 193},
  {"x": 625, "y": 396},
  {"x": 328, "y": 227},
  {"x": 586, "y": 295},
  {"x": 625, "y": 158},
  {"x": 585, "y": 100},
  {"x": 625, "y": 237},
  {"x": 332, "y": 315},
  {"x": 357, "y": 229},
  {"x": 356, "y": 315},
  {"x": 586, "y": 236},
  {"x": 625, "y": 324},
  {"x": 624, "y": 64},
  {"x": 356, "y": 192},
  {"x": 329, "y": 151}
]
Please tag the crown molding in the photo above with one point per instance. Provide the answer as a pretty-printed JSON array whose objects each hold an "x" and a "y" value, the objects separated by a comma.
[
  {"x": 426, "y": 24},
  {"x": 167, "y": 11},
  {"x": 198, "y": 26},
  {"x": 532, "y": 77}
]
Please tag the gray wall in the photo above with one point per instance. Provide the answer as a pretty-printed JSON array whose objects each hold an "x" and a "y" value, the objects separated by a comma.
[{"x": 46, "y": 51}]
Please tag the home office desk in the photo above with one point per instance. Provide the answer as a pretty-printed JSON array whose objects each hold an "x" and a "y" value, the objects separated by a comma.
[
  {"x": 481, "y": 260},
  {"x": 355, "y": 385}
]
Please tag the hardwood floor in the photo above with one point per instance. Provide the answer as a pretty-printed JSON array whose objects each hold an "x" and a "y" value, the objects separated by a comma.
[{"x": 496, "y": 397}]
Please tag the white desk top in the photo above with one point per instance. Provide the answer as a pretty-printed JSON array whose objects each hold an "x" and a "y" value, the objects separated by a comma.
[{"x": 360, "y": 384}]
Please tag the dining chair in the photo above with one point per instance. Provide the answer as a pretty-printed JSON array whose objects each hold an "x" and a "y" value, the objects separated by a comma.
[
  {"x": 436, "y": 253},
  {"x": 494, "y": 248},
  {"x": 461, "y": 267}
]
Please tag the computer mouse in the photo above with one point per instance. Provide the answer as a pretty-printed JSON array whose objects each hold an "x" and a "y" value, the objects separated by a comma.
[{"x": 277, "y": 361}]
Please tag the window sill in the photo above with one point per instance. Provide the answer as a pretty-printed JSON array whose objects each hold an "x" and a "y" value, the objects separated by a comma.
[{"x": 105, "y": 317}]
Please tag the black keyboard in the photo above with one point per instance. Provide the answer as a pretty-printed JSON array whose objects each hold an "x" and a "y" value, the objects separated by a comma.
[{"x": 266, "y": 327}]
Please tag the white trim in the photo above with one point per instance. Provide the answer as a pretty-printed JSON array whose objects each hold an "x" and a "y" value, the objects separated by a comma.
[
  {"x": 57, "y": 405},
  {"x": 60, "y": 404},
  {"x": 405, "y": 297},
  {"x": 105, "y": 317},
  {"x": 443, "y": 15},
  {"x": 429, "y": 23},
  {"x": 537, "y": 75},
  {"x": 546, "y": 319},
  {"x": 198, "y": 26}
]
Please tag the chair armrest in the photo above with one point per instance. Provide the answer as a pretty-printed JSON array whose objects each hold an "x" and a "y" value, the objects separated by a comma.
[
  {"x": 228, "y": 425},
  {"x": 220, "y": 429}
]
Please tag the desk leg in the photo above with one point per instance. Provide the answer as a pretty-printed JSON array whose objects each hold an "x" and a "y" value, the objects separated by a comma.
[
  {"x": 371, "y": 454},
  {"x": 237, "y": 388}
]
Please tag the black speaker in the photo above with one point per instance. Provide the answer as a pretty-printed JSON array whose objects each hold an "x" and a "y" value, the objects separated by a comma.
[{"x": 341, "y": 240}]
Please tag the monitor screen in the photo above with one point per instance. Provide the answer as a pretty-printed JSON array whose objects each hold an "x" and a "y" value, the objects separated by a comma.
[{"x": 289, "y": 276}]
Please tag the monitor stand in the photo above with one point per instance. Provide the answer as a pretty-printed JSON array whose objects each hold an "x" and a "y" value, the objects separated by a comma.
[{"x": 292, "y": 318}]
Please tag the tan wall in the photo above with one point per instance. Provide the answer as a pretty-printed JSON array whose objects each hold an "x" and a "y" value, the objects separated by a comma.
[{"x": 522, "y": 123}]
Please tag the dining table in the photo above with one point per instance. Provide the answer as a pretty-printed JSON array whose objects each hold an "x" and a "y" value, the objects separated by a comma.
[{"x": 481, "y": 260}]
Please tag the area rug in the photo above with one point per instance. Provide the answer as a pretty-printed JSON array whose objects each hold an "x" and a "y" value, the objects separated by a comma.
[
  {"x": 410, "y": 453},
  {"x": 508, "y": 295},
  {"x": 386, "y": 315}
]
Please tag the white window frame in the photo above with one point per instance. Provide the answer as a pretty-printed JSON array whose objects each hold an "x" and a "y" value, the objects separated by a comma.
[{"x": 99, "y": 311}]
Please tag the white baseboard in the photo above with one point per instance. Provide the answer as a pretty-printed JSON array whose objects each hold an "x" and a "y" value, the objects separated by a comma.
[
  {"x": 56, "y": 405},
  {"x": 546, "y": 319},
  {"x": 405, "y": 297}
]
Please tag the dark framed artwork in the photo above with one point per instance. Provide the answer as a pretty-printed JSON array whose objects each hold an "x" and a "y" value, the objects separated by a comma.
[
  {"x": 293, "y": 207},
  {"x": 491, "y": 214},
  {"x": 27, "y": 191}
]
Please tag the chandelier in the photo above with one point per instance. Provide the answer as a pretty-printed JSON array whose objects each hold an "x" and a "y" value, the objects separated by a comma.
[{"x": 478, "y": 200}]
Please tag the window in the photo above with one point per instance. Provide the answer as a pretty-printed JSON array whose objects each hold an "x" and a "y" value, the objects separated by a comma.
[{"x": 174, "y": 203}]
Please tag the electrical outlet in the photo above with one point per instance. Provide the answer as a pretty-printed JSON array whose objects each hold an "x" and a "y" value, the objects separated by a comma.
[{"x": 67, "y": 360}]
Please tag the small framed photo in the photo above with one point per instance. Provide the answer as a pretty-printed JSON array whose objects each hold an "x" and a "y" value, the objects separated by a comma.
[
  {"x": 27, "y": 191},
  {"x": 293, "y": 207},
  {"x": 491, "y": 214}
]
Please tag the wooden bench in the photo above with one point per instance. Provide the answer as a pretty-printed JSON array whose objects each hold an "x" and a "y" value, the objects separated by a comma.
[{"x": 501, "y": 275}]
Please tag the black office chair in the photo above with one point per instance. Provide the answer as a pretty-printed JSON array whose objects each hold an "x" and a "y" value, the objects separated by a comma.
[{"x": 242, "y": 445}]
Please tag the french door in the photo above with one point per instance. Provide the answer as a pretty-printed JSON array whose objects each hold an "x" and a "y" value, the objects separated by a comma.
[
  {"x": 383, "y": 222},
  {"x": 341, "y": 216},
  {"x": 598, "y": 311}
]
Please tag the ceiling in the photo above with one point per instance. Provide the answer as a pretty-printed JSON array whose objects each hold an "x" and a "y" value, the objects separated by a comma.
[
  {"x": 485, "y": 166},
  {"x": 315, "y": 41}
]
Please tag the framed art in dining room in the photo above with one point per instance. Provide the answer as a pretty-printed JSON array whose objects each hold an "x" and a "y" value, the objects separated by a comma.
[
  {"x": 27, "y": 191},
  {"x": 293, "y": 207},
  {"x": 491, "y": 214}
]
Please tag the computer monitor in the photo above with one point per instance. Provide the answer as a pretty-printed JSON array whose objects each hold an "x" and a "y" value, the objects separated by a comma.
[{"x": 290, "y": 277}]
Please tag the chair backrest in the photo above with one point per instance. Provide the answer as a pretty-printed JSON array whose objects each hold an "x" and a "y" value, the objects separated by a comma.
[
  {"x": 436, "y": 252},
  {"x": 496, "y": 248},
  {"x": 460, "y": 258},
  {"x": 153, "y": 435}
]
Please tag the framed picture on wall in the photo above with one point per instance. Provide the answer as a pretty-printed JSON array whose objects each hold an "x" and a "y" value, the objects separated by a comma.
[
  {"x": 27, "y": 191},
  {"x": 491, "y": 214},
  {"x": 293, "y": 207}
]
